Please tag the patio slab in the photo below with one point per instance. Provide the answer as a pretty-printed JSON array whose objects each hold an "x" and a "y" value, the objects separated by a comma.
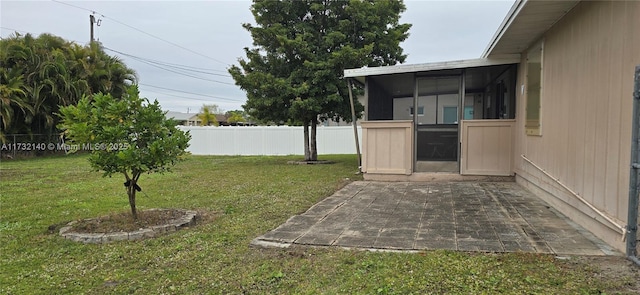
[{"x": 417, "y": 216}]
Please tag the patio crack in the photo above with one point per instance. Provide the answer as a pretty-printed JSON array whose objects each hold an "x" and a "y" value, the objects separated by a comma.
[
  {"x": 454, "y": 217},
  {"x": 493, "y": 226},
  {"x": 424, "y": 210}
]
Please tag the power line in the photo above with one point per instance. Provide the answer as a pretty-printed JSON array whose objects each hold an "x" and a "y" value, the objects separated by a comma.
[
  {"x": 187, "y": 92},
  {"x": 15, "y": 30},
  {"x": 171, "y": 65},
  {"x": 143, "y": 32},
  {"x": 173, "y": 95},
  {"x": 184, "y": 74},
  {"x": 204, "y": 70},
  {"x": 165, "y": 88},
  {"x": 163, "y": 65}
]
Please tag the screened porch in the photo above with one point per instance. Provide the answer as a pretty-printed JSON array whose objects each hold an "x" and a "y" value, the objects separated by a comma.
[{"x": 452, "y": 117}]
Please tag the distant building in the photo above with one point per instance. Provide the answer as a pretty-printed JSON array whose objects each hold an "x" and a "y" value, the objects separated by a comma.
[
  {"x": 191, "y": 119},
  {"x": 185, "y": 119}
]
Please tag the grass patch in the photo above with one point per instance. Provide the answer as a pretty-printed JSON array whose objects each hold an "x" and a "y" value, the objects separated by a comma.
[{"x": 251, "y": 196}]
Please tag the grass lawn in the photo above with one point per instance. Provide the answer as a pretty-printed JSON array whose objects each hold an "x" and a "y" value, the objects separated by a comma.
[{"x": 251, "y": 196}]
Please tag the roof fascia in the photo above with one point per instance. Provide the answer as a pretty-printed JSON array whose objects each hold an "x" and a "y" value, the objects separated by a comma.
[{"x": 506, "y": 23}]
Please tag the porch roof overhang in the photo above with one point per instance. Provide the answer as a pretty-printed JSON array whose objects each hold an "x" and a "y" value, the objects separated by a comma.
[
  {"x": 361, "y": 73},
  {"x": 525, "y": 23}
]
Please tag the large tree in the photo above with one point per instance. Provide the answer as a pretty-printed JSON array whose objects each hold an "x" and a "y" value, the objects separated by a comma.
[{"x": 294, "y": 72}]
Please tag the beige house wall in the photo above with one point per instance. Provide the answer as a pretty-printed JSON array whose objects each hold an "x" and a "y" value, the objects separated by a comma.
[{"x": 587, "y": 82}]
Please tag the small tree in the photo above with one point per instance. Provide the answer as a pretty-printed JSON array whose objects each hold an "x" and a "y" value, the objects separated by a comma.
[{"x": 129, "y": 135}]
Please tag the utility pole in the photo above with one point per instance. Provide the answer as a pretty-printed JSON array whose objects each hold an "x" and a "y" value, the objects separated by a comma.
[{"x": 92, "y": 20}]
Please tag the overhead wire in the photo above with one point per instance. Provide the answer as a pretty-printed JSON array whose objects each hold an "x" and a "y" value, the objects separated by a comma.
[
  {"x": 192, "y": 93},
  {"x": 178, "y": 96},
  {"x": 166, "y": 64},
  {"x": 159, "y": 87},
  {"x": 179, "y": 66},
  {"x": 15, "y": 30},
  {"x": 185, "y": 74},
  {"x": 143, "y": 32},
  {"x": 161, "y": 64}
]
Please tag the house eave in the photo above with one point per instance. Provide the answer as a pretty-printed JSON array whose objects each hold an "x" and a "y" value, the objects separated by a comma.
[{"x": 525, "y": 23}]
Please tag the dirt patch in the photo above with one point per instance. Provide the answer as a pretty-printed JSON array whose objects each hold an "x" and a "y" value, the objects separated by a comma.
[
  {"x": 310, "y": 162},
  {"x": 124, "y": 222},
  {"x": 12, "y": 173},
  {"x": 623, "y": 274}
]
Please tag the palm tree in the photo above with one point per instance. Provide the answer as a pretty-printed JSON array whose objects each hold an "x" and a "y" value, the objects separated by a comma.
[
  {"x": 106, "y": 74},
  {"x": 14, "y": 105},
  {"x": 207, "y": 116},
  {"x": 12, "y": 98},
  {"x": 120, "y": 77},
  {"x": 41, "y": 74}
]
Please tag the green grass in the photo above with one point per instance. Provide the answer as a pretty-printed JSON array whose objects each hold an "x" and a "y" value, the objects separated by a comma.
[{"x": 252, "y": 195}]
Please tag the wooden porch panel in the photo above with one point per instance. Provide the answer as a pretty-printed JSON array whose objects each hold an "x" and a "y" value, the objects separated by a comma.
[
  {"x": 387, "y": 147},
  {"x": 487, "y": 147}
]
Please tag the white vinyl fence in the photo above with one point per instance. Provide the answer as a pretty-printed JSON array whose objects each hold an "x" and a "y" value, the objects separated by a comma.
[{"x": 268, "y": 140}]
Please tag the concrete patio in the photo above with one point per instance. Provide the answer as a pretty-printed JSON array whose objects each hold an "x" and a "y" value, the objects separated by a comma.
[{"x": 414, "y": 216}]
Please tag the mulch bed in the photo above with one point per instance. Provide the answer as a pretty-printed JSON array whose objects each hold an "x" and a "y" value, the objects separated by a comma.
[{"x": 124, "y": 222}]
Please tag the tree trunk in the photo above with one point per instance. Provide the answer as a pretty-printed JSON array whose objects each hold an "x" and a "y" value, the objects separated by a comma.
[
  {"x": 131, "y": 192},
  {"x": 307, "y": 153},
  {"x": 313, "y": 147}
]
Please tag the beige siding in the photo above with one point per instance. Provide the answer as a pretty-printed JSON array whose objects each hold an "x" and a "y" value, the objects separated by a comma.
[
  {"x": 588, "y": 63},
  {"x": 487, "y": 147},
  {"x": 387, "y": 147}
]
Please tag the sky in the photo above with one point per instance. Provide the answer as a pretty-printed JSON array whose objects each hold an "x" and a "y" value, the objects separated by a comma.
[{"x": 207, "y": 37}]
